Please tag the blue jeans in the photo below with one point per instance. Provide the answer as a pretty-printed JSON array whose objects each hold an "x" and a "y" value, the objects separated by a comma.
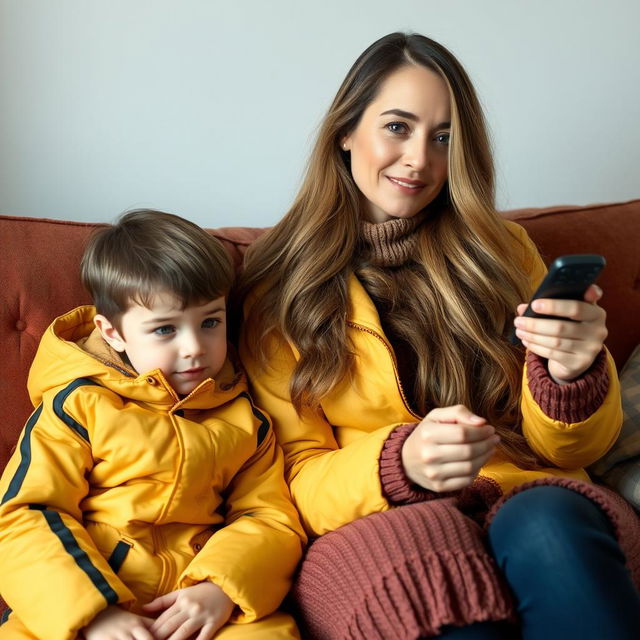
[{"x": 558, "y": 552}]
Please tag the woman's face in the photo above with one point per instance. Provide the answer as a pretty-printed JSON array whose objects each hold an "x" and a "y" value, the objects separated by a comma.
[{"x": 399, "y": 148}]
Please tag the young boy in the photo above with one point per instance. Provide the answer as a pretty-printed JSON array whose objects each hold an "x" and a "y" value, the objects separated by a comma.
[{"x": 146, "y": 498}]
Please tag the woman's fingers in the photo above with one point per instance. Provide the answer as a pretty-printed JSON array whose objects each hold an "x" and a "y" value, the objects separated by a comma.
[
  {"x": 458, "y": 434},
  {"x": 456, "y": 413},
  {"x": 563, "y": 328},
  {"x": 448, "y": 448},
  {"x": 452, "y": 476},
  {"x": 570, "y": 342},
  {"x": 447, "y": 453}
]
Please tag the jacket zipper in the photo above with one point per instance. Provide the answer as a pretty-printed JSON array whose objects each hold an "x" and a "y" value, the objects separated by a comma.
[
  {"x": 168, "y": 564},
  {"x": 392, "y": 355},
  {"x": 167, "y": 580}
]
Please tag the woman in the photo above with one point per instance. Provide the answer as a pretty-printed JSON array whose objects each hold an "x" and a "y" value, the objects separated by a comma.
[{"x": 376, "y": 335}]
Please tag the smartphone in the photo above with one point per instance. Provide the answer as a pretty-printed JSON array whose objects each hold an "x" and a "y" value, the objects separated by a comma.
[{"x": 568, "y": 278}]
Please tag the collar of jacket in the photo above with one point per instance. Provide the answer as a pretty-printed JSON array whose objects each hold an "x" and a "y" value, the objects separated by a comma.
[
  {"x": 362, "y": 310},
  {"x": 72, "y": 348}
]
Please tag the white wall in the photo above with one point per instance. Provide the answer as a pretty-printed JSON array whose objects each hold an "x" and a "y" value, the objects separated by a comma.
[{"x": 208, "y": 108}]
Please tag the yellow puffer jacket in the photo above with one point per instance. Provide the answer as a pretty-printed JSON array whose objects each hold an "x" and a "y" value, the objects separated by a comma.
[
  {"x": 120, "y": 491},
  {"x": 332, "y": 456}
]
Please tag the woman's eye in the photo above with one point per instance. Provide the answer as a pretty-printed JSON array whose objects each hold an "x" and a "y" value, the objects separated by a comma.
[
  {"x": 443, "y": 138},
  {"x": 210, "y": 323},
  {"x": 165, "y": 330},
  {"x": 397, "y": 127}
]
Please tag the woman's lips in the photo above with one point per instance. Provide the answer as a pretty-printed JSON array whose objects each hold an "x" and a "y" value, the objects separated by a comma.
[{"x": 405, "y": 185}]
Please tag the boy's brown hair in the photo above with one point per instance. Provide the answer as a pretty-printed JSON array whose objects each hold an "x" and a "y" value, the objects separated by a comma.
[{"x": 146, "y": 252}]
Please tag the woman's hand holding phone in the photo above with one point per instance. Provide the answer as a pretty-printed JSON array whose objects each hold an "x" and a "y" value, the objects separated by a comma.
[
  {"x": 570, "y": 345},
  {"x": 563, "y": 322}
]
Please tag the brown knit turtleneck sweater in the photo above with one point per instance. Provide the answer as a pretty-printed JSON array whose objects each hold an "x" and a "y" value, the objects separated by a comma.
[{"x": 391, "y": 243}]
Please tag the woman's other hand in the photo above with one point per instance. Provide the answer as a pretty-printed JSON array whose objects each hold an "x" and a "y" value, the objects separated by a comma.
[
  {"x": 570, "y": 347},
  {"x": 448, "y": 448}
]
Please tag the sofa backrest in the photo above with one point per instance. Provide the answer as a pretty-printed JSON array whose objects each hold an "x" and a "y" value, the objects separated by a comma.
[{"x": 39, "y": 262}]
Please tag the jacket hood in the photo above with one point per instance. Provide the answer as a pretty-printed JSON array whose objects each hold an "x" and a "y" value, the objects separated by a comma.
[{"x": 73, "y": 348}]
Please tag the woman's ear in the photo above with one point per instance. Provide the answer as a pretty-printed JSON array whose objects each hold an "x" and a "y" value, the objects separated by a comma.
[
  {"x": 345, "y": 142},
  {"x": 110, "y": 334}
]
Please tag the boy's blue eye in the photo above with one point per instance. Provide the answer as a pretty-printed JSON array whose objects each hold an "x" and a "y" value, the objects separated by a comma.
[
  {"x": 165, "y": 330},
  {"x": 210, "y": 323}
]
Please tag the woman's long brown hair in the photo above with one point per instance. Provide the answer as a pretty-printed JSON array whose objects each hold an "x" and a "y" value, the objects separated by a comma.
[{"x": 453, "y": 304}]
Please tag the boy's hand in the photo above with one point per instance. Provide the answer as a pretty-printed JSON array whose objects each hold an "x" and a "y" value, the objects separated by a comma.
[
  {"x": 115, "y": 623},
  {"x": 203, "y": 608},
  {"x": 570, "y": 347}
]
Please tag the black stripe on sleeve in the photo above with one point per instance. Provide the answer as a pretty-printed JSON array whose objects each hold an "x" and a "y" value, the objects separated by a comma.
[
  {"x": 25, "y": 458},
  {"x": 263, "y": 429},
  {"x": 5, "y": 615},
  {"x": 80, "y": 556},
  {"x": 58, "y": 406}
]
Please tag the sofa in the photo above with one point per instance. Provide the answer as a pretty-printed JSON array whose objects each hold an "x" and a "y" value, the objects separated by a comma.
[{"x": 39, "y": 263}]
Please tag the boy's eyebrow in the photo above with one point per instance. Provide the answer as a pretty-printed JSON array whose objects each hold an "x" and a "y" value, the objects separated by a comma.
[
  {"x": 156, "y": 320},
  {"x": 206, "y": 312},
  {"x": 214, "y": 310}
]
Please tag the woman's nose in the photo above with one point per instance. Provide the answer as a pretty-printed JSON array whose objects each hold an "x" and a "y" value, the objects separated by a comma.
[{"x": 416, "y": 153}]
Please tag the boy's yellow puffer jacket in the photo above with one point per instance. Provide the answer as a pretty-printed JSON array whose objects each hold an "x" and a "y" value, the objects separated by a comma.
[
  {"x": 120, "y": 491},
  {"x": 332, "y": 455}
]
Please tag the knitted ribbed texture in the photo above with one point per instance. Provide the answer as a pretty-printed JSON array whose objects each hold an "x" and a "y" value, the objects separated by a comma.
[
  {"x": 397, "y": 488},
  {"x": 624, "y": 519},
  {"x": 400, "y": 574},
  {"x": 391, "y": 243},
  {"x": 573, "y": 402}
]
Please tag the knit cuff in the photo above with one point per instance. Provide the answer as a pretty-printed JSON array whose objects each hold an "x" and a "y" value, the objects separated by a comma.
[
  {"x": 572, "y": 402},
  {"x": 397, "y": 488}
]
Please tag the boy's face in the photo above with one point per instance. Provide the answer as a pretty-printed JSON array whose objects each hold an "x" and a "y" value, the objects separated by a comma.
[{"x": 188, "y": 345}]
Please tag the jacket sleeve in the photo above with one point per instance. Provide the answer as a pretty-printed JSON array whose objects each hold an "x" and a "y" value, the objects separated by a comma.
[
  {"x": 331, "y": 483},
  {"x": 570, "y": 425},
  {"x": 254, "y": 556},
  {"x": 53, "y": 577},
  {"x": 572, "y": 442}
]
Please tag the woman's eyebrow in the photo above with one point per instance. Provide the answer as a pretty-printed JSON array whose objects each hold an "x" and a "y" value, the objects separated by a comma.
[
  {"x": 412, "y": 116},
  {"x": 399, "y": 112}
]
